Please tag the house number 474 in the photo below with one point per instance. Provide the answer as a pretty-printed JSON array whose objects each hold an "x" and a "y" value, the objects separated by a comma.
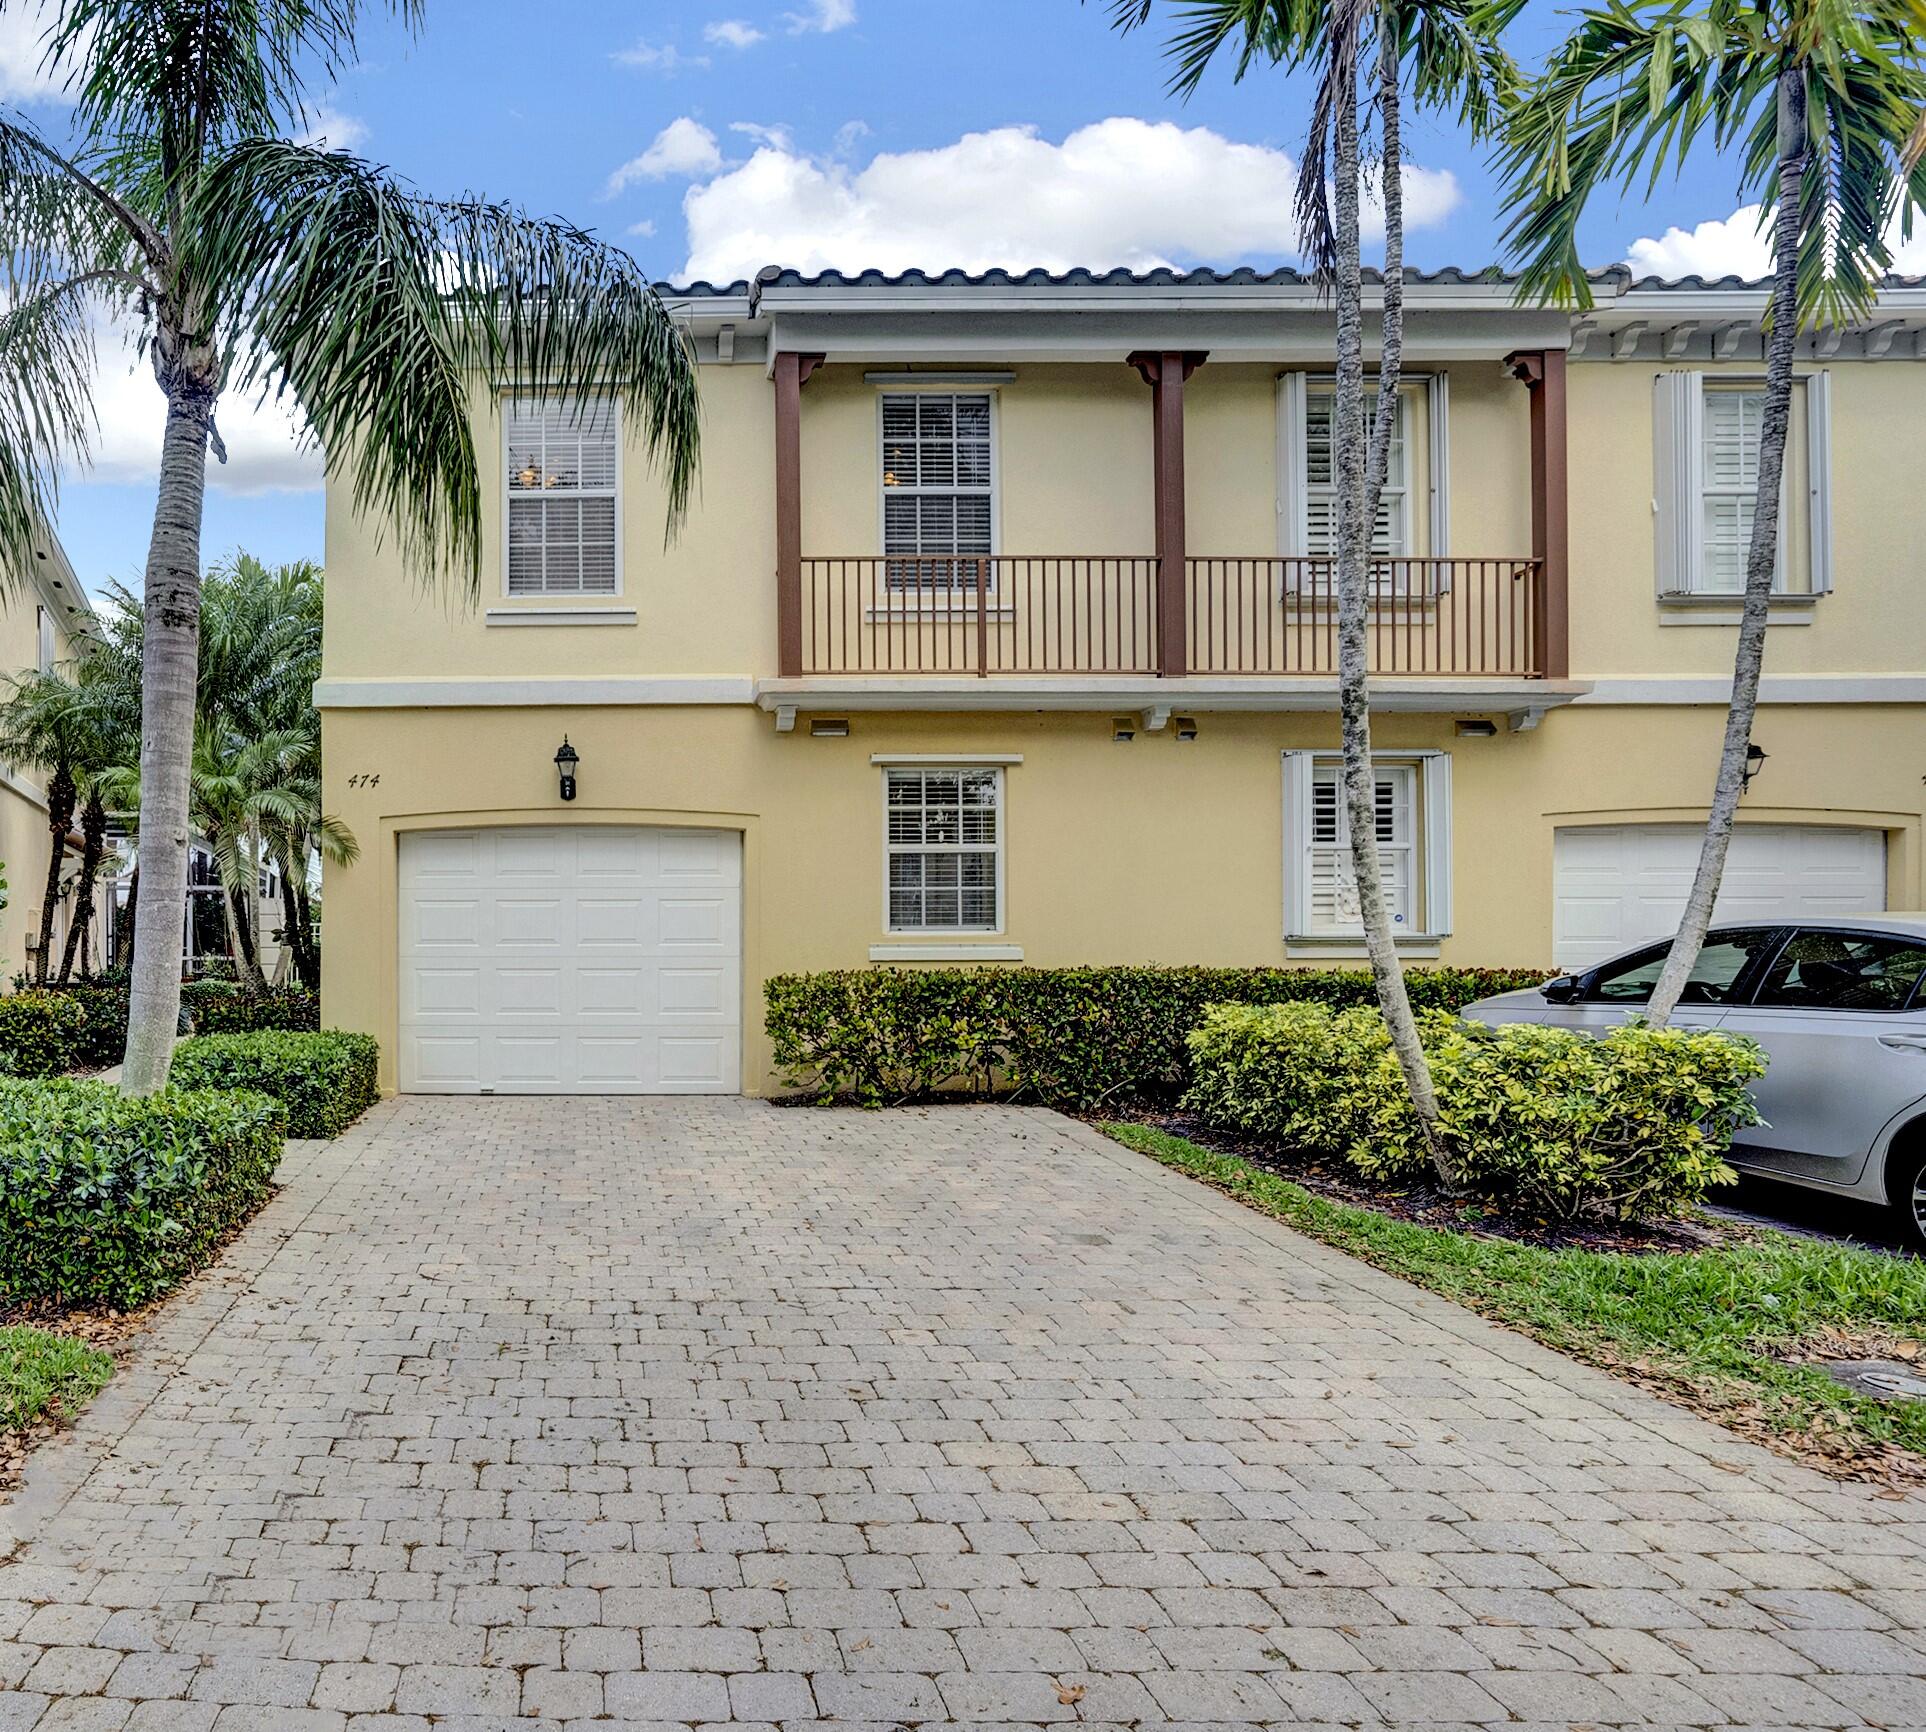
[{"x": 365, "y": 781}]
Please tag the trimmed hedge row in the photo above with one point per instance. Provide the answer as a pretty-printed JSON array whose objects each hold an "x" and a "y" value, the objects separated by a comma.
[
  {"x": 1070, "y": 1037},
  {"x": 84, "y": 1027},
  {"x": 326, "y": 1081},
  {"x": 1631, "y": 1124},
  {"x": 111, "y": 1201}
]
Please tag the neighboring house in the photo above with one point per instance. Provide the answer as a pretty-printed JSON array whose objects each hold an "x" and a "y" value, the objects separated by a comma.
[
  {"x": 1000, "y": 632},
  {"x": 40, "y": 615}
]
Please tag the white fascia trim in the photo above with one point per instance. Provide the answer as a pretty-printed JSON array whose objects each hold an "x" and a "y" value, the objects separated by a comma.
[
  {"x": 559, "y": 616},
  {"x": 1773, "y": 689},
  {"x": 1122, "y": 693},
  {"x": 946, "y": 953},
  {"x": 984, "y": 758},
  {"x": 398, "y": 694},
  {"x": 25, "y": 789}
]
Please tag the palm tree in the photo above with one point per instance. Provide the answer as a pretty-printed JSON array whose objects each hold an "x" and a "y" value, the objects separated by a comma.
[
  {"x": 1822, "y": 105},
  {"x": 1450, "y": 50},
  {"x": 246, "y": 262}
]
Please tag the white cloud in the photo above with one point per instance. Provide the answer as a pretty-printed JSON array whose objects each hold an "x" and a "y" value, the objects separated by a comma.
[
  {"x": 266, "y": 450},
  {"x": 665, "y": 58},
  {"x": 643, "y": 229},
  {"x": 732, "y": 33},
  {"x": 1120, "y": 192},
  {"x": 335, "y": 130},
  {"x": 23, "y": 28},
  {"x": 684, "y": 147},
  {"x": 776, "y": 137},
  {"x": 822, "y": 17},
  {"x": 1736, "y": 246}
]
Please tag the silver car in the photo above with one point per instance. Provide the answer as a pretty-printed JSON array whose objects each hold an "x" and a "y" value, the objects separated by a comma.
[{"x": 1839, "y": 1006}]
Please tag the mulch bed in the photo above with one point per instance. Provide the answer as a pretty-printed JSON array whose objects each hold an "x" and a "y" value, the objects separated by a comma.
[{"x": 1425, "y": 1205}]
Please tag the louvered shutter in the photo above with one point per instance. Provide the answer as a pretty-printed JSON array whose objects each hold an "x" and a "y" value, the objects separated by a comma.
[
  {"x": 1728, "y": 486},
  {"x": 938, "y": 488},
  {"x": 563, "y": 521},
  {"x": 1676, "y": 444},
  {"x": 1333, "y": 899},
  {"x": 1819, "y": 478}
]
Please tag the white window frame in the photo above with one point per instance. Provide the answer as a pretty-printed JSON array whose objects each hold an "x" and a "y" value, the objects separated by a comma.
[
  {"x": 1293, "y": 479},
  {"x": 961, "y": 766},
  {"x": 1679, "y": 490},
  {"x": 46, "y": 643},
  {"x": 568, "y": 398},
  {"x": 1430, "y": 845},
  {"x": 898, "y": 599}
]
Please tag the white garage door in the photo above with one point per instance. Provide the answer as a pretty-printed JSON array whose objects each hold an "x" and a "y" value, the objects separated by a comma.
[
  {"x": 1623, "y": 885},
  {"x": 584, "y": 960}
]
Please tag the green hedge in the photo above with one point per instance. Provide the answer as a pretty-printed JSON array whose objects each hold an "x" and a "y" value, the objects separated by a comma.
[
  {"x": 220, "y": 1007},
  {"x": 41, "y": 1034},
  {"x": 103, "y": 1039},
  {"x": 326, "y": 1081},
  {"x": 1071, "y": 1037},
  {"x": 111, "y": 1201},
  {"x": 1630, "y": 1124}
]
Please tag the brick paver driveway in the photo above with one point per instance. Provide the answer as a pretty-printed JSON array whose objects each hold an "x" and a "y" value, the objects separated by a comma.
[{"x": 555, "y": 1412}]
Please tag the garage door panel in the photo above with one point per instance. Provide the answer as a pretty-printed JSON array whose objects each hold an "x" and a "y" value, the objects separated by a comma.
[
  {"x": 590, "y": 960},
  {"x": 1617, "y": 886}
]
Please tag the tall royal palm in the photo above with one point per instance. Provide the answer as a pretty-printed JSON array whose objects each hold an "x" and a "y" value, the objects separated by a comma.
[
  {"x": 1821, "y": 103},
  {"x": 246, "y": 262},
  {"x": 1362, "y": 53}
]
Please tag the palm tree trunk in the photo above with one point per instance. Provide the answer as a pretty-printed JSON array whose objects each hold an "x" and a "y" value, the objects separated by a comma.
[
  {"x": 1356, "y": 520},
  {"x": 93, "y": 828},
  {"x": 1762, "y": 556},
  {"x": 294, "y": 951},
  {"x": 169, "y": 659},
  {"x": 60, "y": 825},
  {"x": 309, "y": 968}
]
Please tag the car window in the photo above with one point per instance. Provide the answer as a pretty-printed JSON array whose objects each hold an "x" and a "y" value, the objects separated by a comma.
[
  {"x": 1844, "y": 971},
  {"x": 1721, "y": 963}
]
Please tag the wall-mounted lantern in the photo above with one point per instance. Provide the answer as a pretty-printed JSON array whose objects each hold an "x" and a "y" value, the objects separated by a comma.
[
  {"x": 565, "y": 761},
  {"x": 1755, "y": 757}
]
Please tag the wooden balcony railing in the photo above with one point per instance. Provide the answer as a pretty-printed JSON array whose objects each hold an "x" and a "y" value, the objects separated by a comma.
[{"x": 1093, "y": 614}]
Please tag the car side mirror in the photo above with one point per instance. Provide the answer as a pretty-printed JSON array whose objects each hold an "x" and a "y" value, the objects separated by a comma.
[{"x": 1560, "y": 990}]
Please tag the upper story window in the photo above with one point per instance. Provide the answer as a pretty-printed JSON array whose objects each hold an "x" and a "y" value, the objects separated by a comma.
[
  {"x": 1411, "y": 813},
  {"x": 1707, "y": 435},
  {"x": 1413, "y": 509},
  {"x": 48, "y": 649},
  {"x": 943, "y": 849},
  {"x": 564, "y": 521},
  {"x": 939, "y": 488},
  {"x": 1393, "y": 534}
]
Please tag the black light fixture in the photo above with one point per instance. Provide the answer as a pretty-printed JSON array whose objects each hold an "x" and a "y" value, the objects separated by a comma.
[
  {"x": 1755, "y": 757},
  {"x": 565, "y": 761}
]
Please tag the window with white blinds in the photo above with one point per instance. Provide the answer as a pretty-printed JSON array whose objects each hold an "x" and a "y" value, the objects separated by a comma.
[
  {"x": 563, "y": 464},
  {"x": 939, "y": 488},
  {"x": 1411, "y": 815},
  {"x": 1393, "y": 534},
  {"x": 46, "y": 644},
  {"x": 943, "y": 847},
  {"x": 1729, "y": 484}
]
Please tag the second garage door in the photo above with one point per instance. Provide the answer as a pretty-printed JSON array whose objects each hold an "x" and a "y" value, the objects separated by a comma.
[
  {"x": 1621, "y": 885},
  {"x": 578, "y": 960}
]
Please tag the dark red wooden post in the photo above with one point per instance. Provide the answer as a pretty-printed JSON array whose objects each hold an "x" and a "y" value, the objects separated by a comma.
[
  {"x": 791, "y": 370},
  {"x": 1542, "y": 371},
  {"x": 1165, "y": 371}
]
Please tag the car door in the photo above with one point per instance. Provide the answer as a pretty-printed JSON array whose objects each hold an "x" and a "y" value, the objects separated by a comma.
[
  {"x": 1839, "y": 1015},
  {"x": 1728, "y": 965}
]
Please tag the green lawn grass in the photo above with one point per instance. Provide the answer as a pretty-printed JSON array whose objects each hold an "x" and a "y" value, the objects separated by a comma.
[
  {"x": 43, "y": 1373},
  {"x": 1707, "y": 1326}
]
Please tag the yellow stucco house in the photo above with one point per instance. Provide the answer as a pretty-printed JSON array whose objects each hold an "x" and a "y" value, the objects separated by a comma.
[
  {"x": 1000, "y": 633},
  {"x": 41, "y": 613}
]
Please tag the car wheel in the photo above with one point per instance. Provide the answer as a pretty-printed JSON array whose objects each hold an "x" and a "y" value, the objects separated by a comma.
[{"x": 1908, "y": 1193}]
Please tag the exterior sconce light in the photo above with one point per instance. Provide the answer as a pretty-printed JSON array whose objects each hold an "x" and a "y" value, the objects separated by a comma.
[
  {"x": 1184, "y": 727},
  {"x": 1123, "y": 730},
  {"x": 565, "y": 761},
  {"x": 1755, "y": 757},
  {"x": 1478, "y": 728}
]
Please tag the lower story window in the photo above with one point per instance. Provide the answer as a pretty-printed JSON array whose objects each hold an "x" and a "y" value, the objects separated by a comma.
[
  {"x": 1411, "y": 817},
  {"x": 943, "y": 846}
]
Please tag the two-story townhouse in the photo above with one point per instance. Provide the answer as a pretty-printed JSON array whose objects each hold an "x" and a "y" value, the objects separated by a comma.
[
  {"x": 1001, "y": 631},
  {"x": 41, "y": 614}
]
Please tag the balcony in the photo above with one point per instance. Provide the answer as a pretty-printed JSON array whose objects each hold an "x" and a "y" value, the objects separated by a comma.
[{"x": 1084, "y": 615}]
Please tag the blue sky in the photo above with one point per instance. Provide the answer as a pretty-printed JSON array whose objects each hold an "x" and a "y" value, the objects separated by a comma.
[{"x": 723, "y": 133}]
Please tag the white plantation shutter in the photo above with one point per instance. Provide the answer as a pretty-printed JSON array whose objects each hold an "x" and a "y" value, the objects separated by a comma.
[
  {"x": 938, "y": 487},
  {"x": 942, "y": 849},
  {"x": 1412, "y": 811},
  {"x": 563, "y": 518},
  {"x": 1728, "y": 486},
  {"x": 1392, "y": 536},
  {"x": 1705, "y": 449}
]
